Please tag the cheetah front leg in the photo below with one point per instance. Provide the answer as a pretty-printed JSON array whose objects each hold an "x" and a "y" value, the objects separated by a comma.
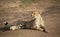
[{"x": 42, "y": 26}]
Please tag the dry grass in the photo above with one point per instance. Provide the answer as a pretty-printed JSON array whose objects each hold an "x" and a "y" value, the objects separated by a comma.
[{"x": 27, "y": 2}]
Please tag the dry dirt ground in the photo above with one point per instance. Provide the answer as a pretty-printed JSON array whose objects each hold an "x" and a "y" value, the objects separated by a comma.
[{"x": 50, "y": 14}]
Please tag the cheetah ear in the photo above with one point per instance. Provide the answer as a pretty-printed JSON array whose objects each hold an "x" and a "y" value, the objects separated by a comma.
[
  {"x": 33, "y": 12},
  {"x": 39, "y": 12}
]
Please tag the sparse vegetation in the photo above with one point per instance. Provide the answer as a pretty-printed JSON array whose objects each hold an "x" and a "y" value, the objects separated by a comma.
[{"x": 29, "y": 1}]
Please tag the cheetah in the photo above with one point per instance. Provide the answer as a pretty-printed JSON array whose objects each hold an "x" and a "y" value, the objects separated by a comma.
[{"x": 39, "y": 23}]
